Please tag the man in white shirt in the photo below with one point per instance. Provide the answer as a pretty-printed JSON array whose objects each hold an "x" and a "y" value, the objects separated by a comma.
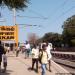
[
  {"x": 48, "y": 49},
  {"x": 35, "y": 55},
  {"x": 27, "y": 49}
]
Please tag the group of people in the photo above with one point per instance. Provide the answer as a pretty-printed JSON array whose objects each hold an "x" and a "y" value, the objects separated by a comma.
[
  {"x": 3, "y": 57},
  {"x": 26, "y": 50},
  {"x": 42, "y": 55},
  {"x": 39, "y": 54}
]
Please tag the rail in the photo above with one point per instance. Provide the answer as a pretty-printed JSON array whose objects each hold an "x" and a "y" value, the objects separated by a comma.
[{"x": 66, "y": 58}]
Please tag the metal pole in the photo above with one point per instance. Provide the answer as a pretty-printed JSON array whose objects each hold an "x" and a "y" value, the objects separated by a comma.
[{"x": 14, "y": 16}]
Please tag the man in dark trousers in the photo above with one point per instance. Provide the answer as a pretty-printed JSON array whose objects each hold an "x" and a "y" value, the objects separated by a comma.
[{"x": 1, "y": 52}]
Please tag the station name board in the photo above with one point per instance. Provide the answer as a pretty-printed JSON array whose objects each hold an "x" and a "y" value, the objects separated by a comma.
[{"x": 8, "y": 32}]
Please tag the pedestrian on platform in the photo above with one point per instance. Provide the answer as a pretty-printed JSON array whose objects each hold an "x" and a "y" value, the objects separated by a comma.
[
  {"x": 35, "y": 55},
  {"x": 48, "y": 49},
  {"x": 44, "y": 59},
  {"x": 4, "y": 61},
  {"x": 27, "y": 49},
  {"x": 1, "y": 53},
  {"x": 17, "y": 51}
]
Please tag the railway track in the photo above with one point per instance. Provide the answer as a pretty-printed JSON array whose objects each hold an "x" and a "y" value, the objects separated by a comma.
[{"x": 65, "y": 59}]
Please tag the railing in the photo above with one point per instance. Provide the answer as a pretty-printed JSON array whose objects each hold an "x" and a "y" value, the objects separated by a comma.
[{"x": 65, "y": 49}]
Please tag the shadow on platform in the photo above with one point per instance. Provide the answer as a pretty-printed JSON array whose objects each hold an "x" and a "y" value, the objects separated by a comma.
[
  {"x": 30, "y": 69},
  {"x": 8, "y": 72}
]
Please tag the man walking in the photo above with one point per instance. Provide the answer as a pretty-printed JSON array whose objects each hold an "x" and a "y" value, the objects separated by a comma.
[
  {"x": 35, "y": 55},
  {"x": 48, "y": 49},
  {"x": 27, "y": 49}
]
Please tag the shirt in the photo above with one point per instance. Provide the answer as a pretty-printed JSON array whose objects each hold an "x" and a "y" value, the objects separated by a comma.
[
  {"x": 44, "y": 58},
  {"x": 35, "y": 53},
  {"x": 48, "y": 49},
  {"x": 27, "y": 46}
]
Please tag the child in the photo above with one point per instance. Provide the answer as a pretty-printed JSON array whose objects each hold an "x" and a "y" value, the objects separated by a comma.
[{"x": 4, "y": 61}]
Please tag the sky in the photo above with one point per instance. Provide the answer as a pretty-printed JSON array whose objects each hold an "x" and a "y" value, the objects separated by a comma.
[{"x": 48, "y": 15}]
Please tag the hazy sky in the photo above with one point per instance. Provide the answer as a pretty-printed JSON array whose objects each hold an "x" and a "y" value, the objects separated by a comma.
[{"x": 49, "y": 14}]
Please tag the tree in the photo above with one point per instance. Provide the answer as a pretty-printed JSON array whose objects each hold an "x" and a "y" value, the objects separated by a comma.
[
  {"x": 32, "y": 38},
  {"x": 17, "y": 4},
  {"x": 54, "y": 38},
  {"x": 69, "y": 31}
]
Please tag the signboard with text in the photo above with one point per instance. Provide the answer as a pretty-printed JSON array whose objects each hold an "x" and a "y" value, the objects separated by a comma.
[{"x": 8, "y": 33}]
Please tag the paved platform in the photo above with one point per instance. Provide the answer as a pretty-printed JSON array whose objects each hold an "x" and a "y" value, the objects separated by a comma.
[{"x": 20, "y": 66}]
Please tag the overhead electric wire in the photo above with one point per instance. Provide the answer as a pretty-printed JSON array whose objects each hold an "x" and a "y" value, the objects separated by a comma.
[
  {"x": 65, "y": 12},
  {"x": 29, "y": 25},
  {"x": 56, "y": 19},
  {"x": 38, "y": 14},
  {"x": 58, "y": 8},
  {"x": 32, "y": 17},
  {"x": 2, "y": 21},
  {"x": 43, "y": 17}
]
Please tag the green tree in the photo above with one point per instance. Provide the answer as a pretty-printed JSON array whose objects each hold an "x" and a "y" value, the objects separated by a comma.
[
  {"x": 69, "y": 31},
  {"x": 17, "y": 4},
  {"x": 54, "y": 38}
]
